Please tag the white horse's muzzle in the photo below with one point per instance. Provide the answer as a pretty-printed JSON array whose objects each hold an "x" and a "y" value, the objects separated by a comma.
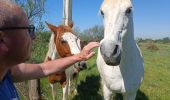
[{"x": 111, "y": 52}]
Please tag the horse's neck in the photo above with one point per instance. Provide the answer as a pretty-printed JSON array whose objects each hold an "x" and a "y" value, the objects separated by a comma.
[
  {"x": 131, "y": 65},
  {"x": 128, "y": 43},
  {"x": 130, "y": 52},
  {"x": 52, "y": 51}
]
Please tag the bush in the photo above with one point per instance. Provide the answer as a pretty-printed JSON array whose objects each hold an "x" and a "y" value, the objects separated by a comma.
[
  {"x": 40, "y": 47},
  {"x": 152, "y": 47}
]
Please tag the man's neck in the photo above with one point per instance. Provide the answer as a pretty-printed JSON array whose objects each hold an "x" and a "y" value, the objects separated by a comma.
[{"x": 3, "y": 71}]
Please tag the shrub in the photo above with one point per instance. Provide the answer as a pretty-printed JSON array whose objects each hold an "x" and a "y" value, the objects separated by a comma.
[{"x": 152, "y": 47}]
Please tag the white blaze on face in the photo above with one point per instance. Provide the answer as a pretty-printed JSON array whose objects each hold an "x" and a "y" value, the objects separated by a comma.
[
  {"x": 115, "y": 18},
  {"x": 73, "y": 42}
]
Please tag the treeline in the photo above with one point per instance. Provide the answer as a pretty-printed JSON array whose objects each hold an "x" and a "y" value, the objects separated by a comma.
[
  {"x": 91, "y": 34},
  {"x": 96, "y": 33},
  {"x": 163, "y": 40}
]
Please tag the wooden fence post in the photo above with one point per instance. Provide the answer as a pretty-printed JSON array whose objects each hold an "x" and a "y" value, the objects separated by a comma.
[{"x": 34, "y": 89}]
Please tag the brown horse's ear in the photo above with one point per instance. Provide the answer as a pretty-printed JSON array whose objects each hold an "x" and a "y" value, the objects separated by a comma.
[
  {"x": 52, "y": 27},
  {"x": 70, "y": 24}
]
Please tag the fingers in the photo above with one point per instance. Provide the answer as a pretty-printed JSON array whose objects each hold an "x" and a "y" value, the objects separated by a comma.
[
  {"x": 87, "y": 52},
  {"x": 90, "y": 55},
  {"x": 92, "y": 45}
]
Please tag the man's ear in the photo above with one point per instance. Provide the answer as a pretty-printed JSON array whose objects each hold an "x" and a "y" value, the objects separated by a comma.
[
  {"x": 3, "y": 46},
  {"x": 1, "y": 34},
  {"x": 52, "y": 27}
]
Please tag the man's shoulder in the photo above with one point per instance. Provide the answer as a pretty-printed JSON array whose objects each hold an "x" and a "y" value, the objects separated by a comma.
[{"x": 7, "y": 88}]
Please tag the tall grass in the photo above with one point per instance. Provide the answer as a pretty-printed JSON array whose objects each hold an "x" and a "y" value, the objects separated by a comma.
[{"x": 157, "y": 71}]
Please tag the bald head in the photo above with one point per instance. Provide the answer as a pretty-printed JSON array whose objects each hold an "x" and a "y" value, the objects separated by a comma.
[{"x": 11, "y": 15}]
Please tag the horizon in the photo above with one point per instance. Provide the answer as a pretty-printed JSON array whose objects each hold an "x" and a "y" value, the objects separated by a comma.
[{"x": 151, "y": 18}]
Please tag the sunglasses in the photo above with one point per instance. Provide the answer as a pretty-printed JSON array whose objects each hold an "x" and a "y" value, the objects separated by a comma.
[{"x": 30, "y": 28}]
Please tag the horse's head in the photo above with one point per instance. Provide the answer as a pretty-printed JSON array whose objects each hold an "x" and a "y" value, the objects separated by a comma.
[
  {"x": 118, "y": 24},
  {"x": 67, "y": 44}
]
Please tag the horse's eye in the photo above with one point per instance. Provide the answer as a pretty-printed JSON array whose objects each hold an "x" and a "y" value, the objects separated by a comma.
[
  {"x": 102, "y": 13},
  {"x": 129, "y": 10},
  {"x": 63, "y": 41}
]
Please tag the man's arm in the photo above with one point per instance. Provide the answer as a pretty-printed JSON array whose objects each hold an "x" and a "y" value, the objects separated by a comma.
[{"x": 25, "y": 71}]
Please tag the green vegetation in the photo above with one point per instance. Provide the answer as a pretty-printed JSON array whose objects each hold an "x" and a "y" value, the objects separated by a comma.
[
  {"x": 157, "y": 66},
  {"x": 154, "y": 87}
]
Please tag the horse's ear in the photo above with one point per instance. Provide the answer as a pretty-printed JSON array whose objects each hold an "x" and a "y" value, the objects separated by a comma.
[
  {"x": 70, "y": 24},
  {"x": 52, "y": 27}
]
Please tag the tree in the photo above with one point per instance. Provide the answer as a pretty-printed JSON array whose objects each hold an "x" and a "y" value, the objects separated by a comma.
[
  {"x": 77, "y": 30},
  {"x": 139, "y": 40},
  {"x": 95, "y": 33},
  {"x": 34, "y": 10},
  {"x": 165, "y": 40}
]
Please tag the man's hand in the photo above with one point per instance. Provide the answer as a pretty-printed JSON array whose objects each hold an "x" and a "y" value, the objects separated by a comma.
[{"x": 87, "y": 52}]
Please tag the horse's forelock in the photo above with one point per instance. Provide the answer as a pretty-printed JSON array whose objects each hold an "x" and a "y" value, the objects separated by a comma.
[{"x": 62, "y": 29}]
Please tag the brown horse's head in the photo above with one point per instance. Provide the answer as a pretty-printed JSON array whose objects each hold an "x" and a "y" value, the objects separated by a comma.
[{"x": 66, "y": 42}]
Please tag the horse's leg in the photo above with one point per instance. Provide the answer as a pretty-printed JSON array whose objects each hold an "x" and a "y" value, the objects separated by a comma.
[
  {"x": 69, "y": 85},
  {"x": 72, "y": 88},
  {"x": 69, "y": 79},
  {"x": 65, "y": 92},
  {"x": 106, "y": 92},
  {"x": 53, "y": 87},
  {"x": 66, "y": 87},
  {"x": 129, "y": 96},
  {"x": 75, "y": 84}
]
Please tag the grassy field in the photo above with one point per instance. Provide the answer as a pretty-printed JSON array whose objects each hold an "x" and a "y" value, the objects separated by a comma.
[{"x": 156, "y": 84}]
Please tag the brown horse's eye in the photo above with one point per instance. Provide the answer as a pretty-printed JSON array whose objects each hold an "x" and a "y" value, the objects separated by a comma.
[{"x": 63, "y": 41}]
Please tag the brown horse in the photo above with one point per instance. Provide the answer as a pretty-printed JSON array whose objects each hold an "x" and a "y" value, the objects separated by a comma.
[{"x": 64, "y": 43}]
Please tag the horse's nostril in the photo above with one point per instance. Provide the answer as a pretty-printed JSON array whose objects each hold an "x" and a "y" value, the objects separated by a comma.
[
  {"x": 82, "y": 66},
  {"x": 78, "y": 63},
  {"x": 116, "y": 49}
]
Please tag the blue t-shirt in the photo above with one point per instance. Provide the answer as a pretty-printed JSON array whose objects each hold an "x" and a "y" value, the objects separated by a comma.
[{"x": 7, "y": 89}]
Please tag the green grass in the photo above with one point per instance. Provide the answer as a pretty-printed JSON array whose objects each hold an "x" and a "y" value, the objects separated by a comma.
[
  {"x": 157, "y": 66},
  {"x": 156, "y": 84}
]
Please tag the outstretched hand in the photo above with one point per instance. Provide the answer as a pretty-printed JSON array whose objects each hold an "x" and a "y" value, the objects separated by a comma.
[{"x": 87, "y": 52}]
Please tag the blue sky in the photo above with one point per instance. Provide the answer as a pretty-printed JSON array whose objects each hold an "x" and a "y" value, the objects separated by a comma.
[{"x": 151, "y": 17}]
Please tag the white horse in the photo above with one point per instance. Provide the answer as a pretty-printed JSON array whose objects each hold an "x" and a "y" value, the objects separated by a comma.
[{"x": 119, "y": 60}]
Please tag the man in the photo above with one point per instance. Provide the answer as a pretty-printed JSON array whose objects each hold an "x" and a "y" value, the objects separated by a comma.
[{"x": 15, "y": 47}]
